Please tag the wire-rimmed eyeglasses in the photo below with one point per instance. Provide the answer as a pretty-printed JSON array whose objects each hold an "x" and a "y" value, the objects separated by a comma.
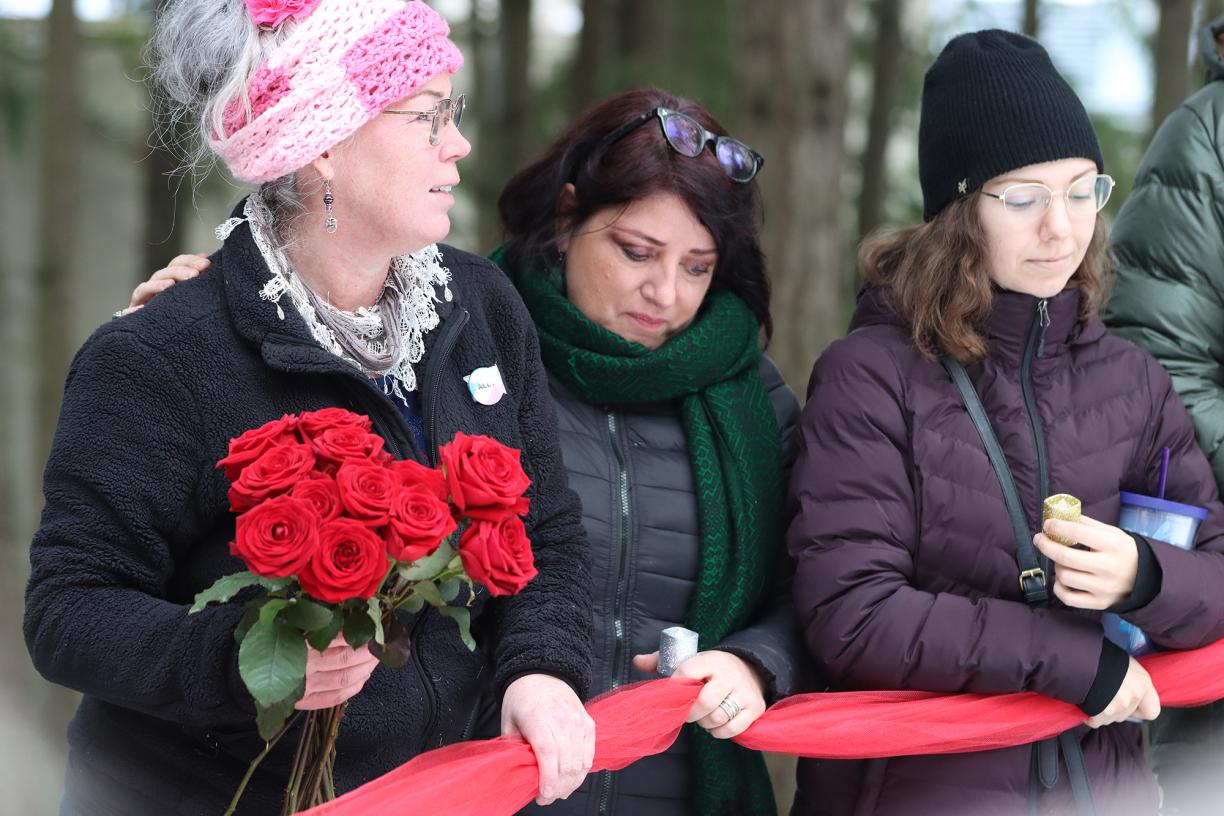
[
  {"x": 447, "y": 110},
  {"x": 1031, "y": 200}
]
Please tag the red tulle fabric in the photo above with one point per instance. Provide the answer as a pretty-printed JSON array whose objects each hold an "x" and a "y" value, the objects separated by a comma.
[{"x": 499, "y": 776}]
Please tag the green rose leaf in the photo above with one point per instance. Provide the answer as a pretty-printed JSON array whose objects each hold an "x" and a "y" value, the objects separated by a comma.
[
  {"x": 449, "y": 589},
  {"x": 396, "y": 650},
  {"x": 248, "y": 620},
  {"x": 272, "y": 661},
  {"x": 223, "y": 589},
  {"x": 463, "y": 617},
  {"x": 430, "y": 566},
  {"x": 271, "y": 608},
  {"x": 413, "y": 604},
  {"x": 374, "y": 609},
  {"x": 308, "y": 615},
  {"x": 428, "y": 592},
  {"x": 275, "y": 584},
  {"x": 320, "y": 639},
  {"x": 270, "y": 719},
  {"x": 358, "y": 628}
]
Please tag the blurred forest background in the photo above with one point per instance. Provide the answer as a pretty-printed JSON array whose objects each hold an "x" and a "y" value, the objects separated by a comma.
[{"x": 827, "y": 90}]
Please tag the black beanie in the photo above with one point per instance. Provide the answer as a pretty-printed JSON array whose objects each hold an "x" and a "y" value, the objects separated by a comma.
[{"x": 992, "y": 102}]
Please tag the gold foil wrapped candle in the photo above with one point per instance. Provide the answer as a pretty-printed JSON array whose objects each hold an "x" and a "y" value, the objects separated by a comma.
[{"x": 1061, "y": 506}]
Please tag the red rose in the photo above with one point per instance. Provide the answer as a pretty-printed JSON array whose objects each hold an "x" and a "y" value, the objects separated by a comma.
[
  {"x": 350, "y": 562},
  {"x": 322, "y": 494},
  {"x": 485, "y": 477},
  {"x": 335, "y": 446},
  {"x": 366, "y": 492},
  {"x": 411, "y": 474},
  {"x": 277, "y": 538},
  {"x": 273, "y": 473},
  {"x": 498, "y": 555},
  {"x": 313, "y": 423},
  {"x": 419, "y": 522},
  {"x": 252, "y": 444}
]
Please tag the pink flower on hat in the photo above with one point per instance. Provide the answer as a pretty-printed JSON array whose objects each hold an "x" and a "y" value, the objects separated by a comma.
[{"x": 274, "y": 12}]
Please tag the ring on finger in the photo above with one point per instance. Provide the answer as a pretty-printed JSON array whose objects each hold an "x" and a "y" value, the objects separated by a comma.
[{"x": 730, "y": 707}]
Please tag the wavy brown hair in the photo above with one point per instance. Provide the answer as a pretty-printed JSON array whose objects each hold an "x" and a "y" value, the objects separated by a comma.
[
  {"x": 638, "y": 165},
  {"x": 938, "y": 275}
]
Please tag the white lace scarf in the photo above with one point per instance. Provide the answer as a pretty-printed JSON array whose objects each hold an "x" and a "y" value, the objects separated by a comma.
[{"x": 413, "y": 277}]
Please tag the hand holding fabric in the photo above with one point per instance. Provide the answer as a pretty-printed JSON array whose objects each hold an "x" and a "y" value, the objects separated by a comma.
[
  {"x": 1094, "y": 578},
  {"x": 546, "y": 712},
  {"x": 724, "y": 675},
  {"x": 335, "y": 674},
  {"x": 1136, "y": 697}
]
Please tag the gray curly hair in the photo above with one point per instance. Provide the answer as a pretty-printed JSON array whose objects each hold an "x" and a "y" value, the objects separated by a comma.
[{"x": 200, "y": 57}]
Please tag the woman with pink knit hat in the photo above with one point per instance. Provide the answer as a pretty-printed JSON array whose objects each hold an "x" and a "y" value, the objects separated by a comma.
[{"x": 330, "y": 290}]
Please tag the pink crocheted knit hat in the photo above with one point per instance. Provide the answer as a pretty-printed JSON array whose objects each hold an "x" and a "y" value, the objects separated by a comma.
[{"x": 336, "y": 70}]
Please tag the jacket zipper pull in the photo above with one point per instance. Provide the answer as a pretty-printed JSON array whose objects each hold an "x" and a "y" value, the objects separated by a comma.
[{"x": 1043, "y": 320}]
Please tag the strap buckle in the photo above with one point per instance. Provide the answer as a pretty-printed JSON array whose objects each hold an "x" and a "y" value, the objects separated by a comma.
[{"x": 1036, "y": 572}]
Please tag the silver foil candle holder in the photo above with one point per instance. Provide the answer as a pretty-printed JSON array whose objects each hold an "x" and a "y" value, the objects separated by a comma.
[{"x": 676, "y": 645}]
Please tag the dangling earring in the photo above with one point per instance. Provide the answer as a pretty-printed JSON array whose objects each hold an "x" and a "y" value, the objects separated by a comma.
[{"x": 328, "y": 201}]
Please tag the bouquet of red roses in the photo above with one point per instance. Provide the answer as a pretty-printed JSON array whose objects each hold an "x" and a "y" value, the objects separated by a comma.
[{"x": 341, "y": 536}]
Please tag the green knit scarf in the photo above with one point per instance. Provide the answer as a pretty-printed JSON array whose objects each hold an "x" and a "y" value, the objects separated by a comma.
[{"x": 734, "y": 445}]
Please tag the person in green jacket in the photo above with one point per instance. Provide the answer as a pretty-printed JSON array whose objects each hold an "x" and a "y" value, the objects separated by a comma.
[{"x": 1168, "y": 245}]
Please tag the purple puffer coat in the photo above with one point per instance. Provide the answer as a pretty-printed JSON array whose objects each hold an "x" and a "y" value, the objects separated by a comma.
[{"x": 907, "y": 575}]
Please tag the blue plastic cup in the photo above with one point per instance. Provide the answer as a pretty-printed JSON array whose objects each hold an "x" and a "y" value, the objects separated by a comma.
[{"x": 1163, "y": 520}]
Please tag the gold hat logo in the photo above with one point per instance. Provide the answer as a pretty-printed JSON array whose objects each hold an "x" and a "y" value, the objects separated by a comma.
[{"x": 963, "y": 186}]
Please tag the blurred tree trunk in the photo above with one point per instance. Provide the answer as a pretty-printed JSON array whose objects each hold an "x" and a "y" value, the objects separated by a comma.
[
  {"x": 58, "y": 190},
  {"x": 166, "y": 191},
  {"x": 1032, "y": 21},
  {"x": 503, "y": 86},
  {"x": 57, "y": 215},
  {"x": 588, "y": 76},
  {"x": 793, "y": 64},
  {"x": 480, "y": 173},
  {"x": 515, "y": 49},
  {"x": 633, "y": 34},
  {"x": 682, "y": 46},
  {"x": 885, "y": 76},
  {"x": 10, "y": 460},
  {"x": 1171, "y": 56}
]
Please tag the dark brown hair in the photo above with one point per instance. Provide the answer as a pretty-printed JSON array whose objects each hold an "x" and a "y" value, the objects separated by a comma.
[
  {"x": 634, "y": 167},
  {"x": 938, "y": 275}
]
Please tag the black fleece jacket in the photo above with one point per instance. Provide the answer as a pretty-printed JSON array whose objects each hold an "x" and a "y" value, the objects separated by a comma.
[{"x": 136, "y": 522}]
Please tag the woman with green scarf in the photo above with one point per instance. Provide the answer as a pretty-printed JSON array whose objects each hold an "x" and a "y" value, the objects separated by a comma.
[{"x": 634, "y": 242}]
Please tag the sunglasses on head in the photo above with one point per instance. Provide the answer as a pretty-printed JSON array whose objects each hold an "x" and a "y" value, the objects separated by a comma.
[{"x": 687, "y": 137}]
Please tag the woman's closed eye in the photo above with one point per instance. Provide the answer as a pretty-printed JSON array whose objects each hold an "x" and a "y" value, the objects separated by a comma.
[
  {"x": 635, "y": 253},
  {"x": 699, "y": 268}
]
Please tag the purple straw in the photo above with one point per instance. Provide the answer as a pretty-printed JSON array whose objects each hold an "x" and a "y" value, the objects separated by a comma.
[{"x": 1164, "y": 473}]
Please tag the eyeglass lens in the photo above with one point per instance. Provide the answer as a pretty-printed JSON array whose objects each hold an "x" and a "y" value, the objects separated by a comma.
[
  {"x": 685, "y": 135},
  {"x": 736, "y": 159},
  {"x": 688, "y": 138},
  {"x": 1085, "y": 197},
  {"x": 448, "y": 110}
]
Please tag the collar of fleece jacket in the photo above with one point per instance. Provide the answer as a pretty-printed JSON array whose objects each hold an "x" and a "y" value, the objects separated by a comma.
[{"x": 257, "y": 320}]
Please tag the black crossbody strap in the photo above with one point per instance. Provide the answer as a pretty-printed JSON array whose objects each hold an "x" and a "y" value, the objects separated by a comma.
[
  {"x": 1044, "y": 761},
  {"x": 1077, "y": 772},
  {"x": 1032, "y": 576}
]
